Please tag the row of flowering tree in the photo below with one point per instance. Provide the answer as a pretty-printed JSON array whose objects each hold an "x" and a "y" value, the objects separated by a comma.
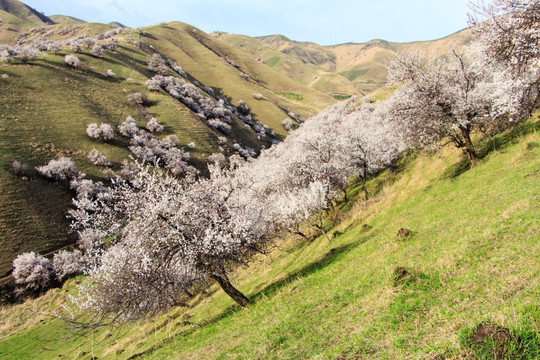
[
  {"x": 153, "y": 237},
  {"x": 159, "y": 236}
]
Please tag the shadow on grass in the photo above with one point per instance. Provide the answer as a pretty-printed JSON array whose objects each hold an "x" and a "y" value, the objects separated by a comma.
[
  {"x": 494, "y": 143},
  {"x": 330, "y": 257},
  {"x": 270, "y": 290}
]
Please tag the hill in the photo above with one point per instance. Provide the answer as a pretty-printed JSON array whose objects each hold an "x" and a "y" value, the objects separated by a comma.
[
  {"x": 345, "y": 69},
  {"x": 25, "y": 12},
  {"x": 64, "y": 19},
  {"x": 49, "y": 105},
  {"x": 463, "y": 284},
  {"x": 117, "y": 24}
]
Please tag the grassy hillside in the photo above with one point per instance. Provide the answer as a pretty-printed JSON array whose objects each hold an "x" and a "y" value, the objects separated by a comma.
[
  {"x": 464, "y": 284},
  {"x": 24, "y": 11},
  {"x": 47, "y": 105},
  {"x": 11, "y": 25},
  {"x": 351, "y": 68}
]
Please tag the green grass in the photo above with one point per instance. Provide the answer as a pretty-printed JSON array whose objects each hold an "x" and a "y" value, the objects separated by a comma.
[
  {"x": 353, "y": 74},
  {"x": 272, "y": 61},
  {"x": 472, "y": 258},
  {"x": 342, "y": 97},
  {"x": 291, "y": 96}
]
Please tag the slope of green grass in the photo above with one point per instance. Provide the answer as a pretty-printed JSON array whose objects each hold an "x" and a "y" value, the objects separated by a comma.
[{"x": 472, "y": 258}]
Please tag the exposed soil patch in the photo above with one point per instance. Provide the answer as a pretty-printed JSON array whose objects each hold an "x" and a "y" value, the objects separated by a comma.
[
  {"x": 490, "y": 336},
  {"x": 402, "y": 275},
  {"x": 403, "y": 233}
]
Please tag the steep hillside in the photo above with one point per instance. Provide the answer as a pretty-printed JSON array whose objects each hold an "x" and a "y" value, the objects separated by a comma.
[
  {"x": 352, "y": 69},
  {"x": 24, "y": 11},
  {"x": 11, "y": 26},
  {"x": 463, "y": 284},
  {"x": 47, "y": 105}
]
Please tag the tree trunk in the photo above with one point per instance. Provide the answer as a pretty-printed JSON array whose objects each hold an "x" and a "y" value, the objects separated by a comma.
[
  {"x": 364, "y": 179},
  {"x": 366, "y": 194},
  {"x": 345, "y": 196},
  {"x": 230, "y": 290},
  {"x": 469, "y": 147}
]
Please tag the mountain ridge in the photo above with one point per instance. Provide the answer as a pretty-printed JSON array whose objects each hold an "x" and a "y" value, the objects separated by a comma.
[{"x": 350, "y": 68}]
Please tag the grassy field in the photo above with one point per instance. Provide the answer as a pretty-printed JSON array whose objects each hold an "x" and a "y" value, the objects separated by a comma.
[{"x": 470, "y": 264}]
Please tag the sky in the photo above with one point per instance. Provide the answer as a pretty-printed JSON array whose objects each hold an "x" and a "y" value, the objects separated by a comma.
[{"x": 324, "y": 22}]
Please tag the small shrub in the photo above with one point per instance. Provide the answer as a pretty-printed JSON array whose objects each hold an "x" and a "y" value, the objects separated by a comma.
[
  {"x": 532, "y": 145},
  {"x": 20, "y": 169},
  {"x": 403, "y": 233},
  {"x": 488, "y": 340},
  {"x": 402, "y": 276}
]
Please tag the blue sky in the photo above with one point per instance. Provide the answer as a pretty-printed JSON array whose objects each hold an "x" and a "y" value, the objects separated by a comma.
[{"x": 323, "y": 22}]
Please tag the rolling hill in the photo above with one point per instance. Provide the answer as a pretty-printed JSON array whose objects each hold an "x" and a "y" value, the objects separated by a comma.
[
  {"x": 345, "y": 69},
  {"x": 46, "y": 106}
]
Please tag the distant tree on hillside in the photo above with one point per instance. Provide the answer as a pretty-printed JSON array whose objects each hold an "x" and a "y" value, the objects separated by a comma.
[
  {"x": 154, "y": 126},
  {"x": 98, "y": 50},
  {"x": 129, "y": 128},
  {"x": 98, "y": 158},
  {"x": 33, "y": 271},
  {"x": 62, "y": 168},
  {"x": 27, "y": 53},
  {"x": 66, "y": 263},
  {"x": 72, "y": 60},
  {"x": 157, "y": 64},
  {"x": 103, "y": 132}
]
